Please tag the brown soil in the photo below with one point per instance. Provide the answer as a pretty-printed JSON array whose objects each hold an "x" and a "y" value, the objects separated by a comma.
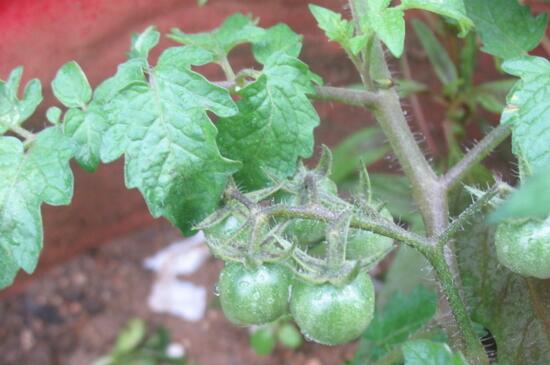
[{"x": 71, "y": 315}]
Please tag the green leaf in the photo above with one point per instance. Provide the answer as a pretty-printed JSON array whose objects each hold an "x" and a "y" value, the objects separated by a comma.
[
  {"x": 86, "y": 126},
  {"x": 263, "y": 341},
  {"x": 14, "y": 111},
  {"x": 29, "y": 179},
  {"x": 275, "y": 123},
  {"x": 366, "y": 146},
  {"x": 387, "y": 23},
  {"x": 424, "y": 352},
  {"x": 511, "y": 306},
  {"x": 528, "y": 110},
  {"x": 336, "y": 29},
  {"x": 143, "y": 42},
  {"x": 235, "y": 30},
  {"x": 130, "y": 336},
  {"x": 279, "y": 38},
  {"x": 395, "y": 191},
  {"x": 531, "y": 200},
  {"x": 53, "y": 114},
  {"x": 506, "y": 28},
  {"x": 71, "y": 86},
  {"x": 402, "y": 316},
  {"x": 406, "y": 88},
  {"x": 443, "y": 66},
  {"x": 453, "y": 9},
  {"x": 492, "y": 95},
  {"x": 289, "y": 336},
  {"x": 161, "y": 126}
]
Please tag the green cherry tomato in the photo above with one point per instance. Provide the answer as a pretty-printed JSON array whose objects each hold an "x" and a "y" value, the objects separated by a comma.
[
  {"x": 330, "y": 314},
  {"x": 226, "y": 228},
  {"x": 254, "y": 295},
  {"x": 307, "y": 231},
  {"x": 363, "y": 244},
  {"x": 524, "y": 247}
]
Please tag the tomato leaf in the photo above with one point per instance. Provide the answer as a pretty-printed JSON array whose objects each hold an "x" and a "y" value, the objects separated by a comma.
[
  {"x": 160, "y": 124},
  {"x": 279, "y": 38},
  {"x": 509, "y": 305},
  {"x": 71, "y": 86},
  {"x": 453, "y": 9},
  {"x": 528, "y": 110},
  {"x": 28, "y": 179},
  {"x": 424, "y": 352},
  {"x": 235, "y": 30},
  {"x": 335, "y": 27},
  {"x": 506, "y": 28},
  {"x": 86, "y": 122},
  {"x": 14, "y": 111},
  {"x": 402, "y": 316},
  {"x": 275, "y": 123}
]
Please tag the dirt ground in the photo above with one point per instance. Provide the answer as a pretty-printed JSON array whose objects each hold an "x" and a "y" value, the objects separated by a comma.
[{"x": 72, "y": 314}]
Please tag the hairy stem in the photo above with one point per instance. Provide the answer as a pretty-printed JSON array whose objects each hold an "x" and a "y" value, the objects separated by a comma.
[
  {"x": 227, "y": 69},
  {"x": 470, "y": 342},
  {"x": 417, "y": 109},
  {"x": 476, "y": 155},
  {"x": 377, "y": 225},
  {"x": 360, "y": 98}
]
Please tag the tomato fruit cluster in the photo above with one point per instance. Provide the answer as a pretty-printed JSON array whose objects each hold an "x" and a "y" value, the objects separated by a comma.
[
  {"x": 523, "y": 246},
  {"x": 326, "y": 313}
]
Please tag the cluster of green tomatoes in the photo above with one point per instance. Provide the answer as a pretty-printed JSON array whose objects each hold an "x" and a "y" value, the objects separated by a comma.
[{"x": 315, "y": 270}]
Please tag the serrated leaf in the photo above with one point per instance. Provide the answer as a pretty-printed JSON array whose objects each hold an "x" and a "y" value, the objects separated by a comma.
[
  {"x": 28, "y": 179},
  {"x": 235, "y": 30},
  {"x": 443, "y": 66},
  {"x": 453, "y": 9},
  {"x": 161, "y": 126},
  {"x": 424, "y": 352},
  {"x": 402, "y": 316},
  {"x": 14, "y": 111},
  {"x": 275, "y": 123},
  {"x": 387, "y": 23},
  {"x": 506, "y": 28},
  {"x": 279, "y": 38},
  {"x": 143, "y": 42},
  {"x": 335, "y": 27},
  {"x": 512, "y": 307},
  {"x": 531, "y": 200},
  {"x": 87, "y": 125},
  {"x": 71, "y": 86},
  {"x": 528, "y": 110}
]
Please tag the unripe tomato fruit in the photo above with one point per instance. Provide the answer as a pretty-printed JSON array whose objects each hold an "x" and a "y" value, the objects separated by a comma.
[
  {"x": 524, "y": 247},
  {"x": 306, "y": 231},
  {"x": 254, "y": 295},
  {"x": 333, "y": 315},
  {"x": 363, "y": 244}
]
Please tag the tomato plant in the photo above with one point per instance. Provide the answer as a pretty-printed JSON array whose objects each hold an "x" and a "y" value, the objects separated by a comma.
[{"x": 226, "y": 156}]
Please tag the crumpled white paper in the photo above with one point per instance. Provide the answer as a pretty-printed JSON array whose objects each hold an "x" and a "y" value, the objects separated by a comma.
[{"x": 171, "y": 294}]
